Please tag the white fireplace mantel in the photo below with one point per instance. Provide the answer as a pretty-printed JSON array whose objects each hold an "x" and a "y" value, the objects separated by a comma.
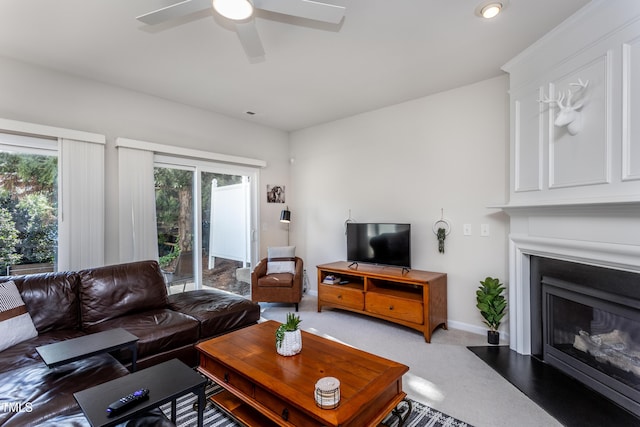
[
  {"x": 522, "y": 246},
  {"x": 575, "y": 197}
]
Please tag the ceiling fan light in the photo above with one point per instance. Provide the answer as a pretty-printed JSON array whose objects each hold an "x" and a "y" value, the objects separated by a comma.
[
  {"x": 236, "y": 10},
  {"x": 491, "y": 10}
]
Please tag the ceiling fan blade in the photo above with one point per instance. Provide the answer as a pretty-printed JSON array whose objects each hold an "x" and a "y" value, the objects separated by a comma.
[
  {"x": 309, "y": 9},
  {"x": 249, "y": 38},
  {"x": 177, "y": 10}
]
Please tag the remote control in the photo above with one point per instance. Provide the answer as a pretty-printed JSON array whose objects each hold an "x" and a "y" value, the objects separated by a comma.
[{"x": 128, "y": 401}]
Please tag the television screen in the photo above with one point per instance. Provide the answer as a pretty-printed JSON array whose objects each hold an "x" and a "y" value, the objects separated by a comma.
[{"x": 379, "y": 243}]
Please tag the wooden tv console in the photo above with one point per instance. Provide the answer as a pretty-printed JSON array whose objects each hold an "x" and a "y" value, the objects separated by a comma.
[{"x": 414, "y": 298}]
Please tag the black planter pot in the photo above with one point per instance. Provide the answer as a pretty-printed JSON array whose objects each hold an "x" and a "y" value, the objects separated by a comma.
[{"x": 493, "y": 337}]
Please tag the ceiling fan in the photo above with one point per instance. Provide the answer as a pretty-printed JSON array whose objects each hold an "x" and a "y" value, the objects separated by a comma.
[{"x": 240, "y": 12}]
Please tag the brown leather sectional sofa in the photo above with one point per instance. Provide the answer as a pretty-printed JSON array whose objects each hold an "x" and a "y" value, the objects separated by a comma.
[{"x": 132, "y": 296}]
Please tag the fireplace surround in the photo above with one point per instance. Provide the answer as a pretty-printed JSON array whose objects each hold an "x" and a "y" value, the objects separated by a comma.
[
  {"x": 601, "y": 244},
  {"x": 586, "y": 322}
]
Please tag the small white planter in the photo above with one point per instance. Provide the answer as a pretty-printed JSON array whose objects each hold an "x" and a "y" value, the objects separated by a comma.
[{"x": 291, "y": 344}]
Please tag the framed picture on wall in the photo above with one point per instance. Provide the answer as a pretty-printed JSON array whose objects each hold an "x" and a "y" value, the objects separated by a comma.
[{"x": 275, "y": 193}]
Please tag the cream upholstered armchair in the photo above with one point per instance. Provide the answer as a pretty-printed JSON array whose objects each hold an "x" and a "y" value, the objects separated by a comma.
[{"x": 278, "y": 278}]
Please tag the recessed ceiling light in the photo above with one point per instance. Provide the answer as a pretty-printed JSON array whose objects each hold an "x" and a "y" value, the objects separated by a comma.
[
  {"x": 236, "y": 10},
  {"x": 490, "y": 10}
]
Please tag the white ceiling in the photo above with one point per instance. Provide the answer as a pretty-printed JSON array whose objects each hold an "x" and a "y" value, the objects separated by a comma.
[{"x": 383, "y": 53}]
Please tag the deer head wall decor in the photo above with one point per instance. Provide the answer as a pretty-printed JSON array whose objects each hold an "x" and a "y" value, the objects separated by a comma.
[{"x": 570, "y": 114}]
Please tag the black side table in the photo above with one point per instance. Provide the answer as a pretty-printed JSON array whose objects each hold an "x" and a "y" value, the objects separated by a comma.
[
  {"x": 68, "y": 351},
  {"x": 166, "y": 382}
]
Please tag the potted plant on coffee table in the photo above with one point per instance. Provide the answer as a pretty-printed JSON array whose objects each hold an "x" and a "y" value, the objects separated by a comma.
[
  {"x": 492, "y": 305},
  {"x": 289, "y": 337}
]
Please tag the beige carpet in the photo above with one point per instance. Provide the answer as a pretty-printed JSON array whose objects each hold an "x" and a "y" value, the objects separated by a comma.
[{"x": 444, "y": 374}]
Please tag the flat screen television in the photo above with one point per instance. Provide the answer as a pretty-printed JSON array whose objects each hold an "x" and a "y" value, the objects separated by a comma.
[{"x": 379, "y": 243}]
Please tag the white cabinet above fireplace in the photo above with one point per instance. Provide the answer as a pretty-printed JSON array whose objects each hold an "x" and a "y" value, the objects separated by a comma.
[{"x": 587, "y": 70}]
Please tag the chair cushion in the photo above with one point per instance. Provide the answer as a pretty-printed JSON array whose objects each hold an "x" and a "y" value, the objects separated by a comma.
[
  {"x": 280, "y": 280},
  {"x": 281, "y": 259},
  {"x": 15, "y": 322}
]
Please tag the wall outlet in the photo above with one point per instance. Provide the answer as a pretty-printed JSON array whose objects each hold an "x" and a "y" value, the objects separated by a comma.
[
  {"x": 466, "y": 229},
  {"x": 484, "y": 230}
]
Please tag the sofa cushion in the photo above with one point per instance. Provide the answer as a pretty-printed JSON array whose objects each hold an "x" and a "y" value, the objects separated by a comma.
[
  {"x": 45, "y": 393},
  {"x": 158, "y": 330},
  {"x": 281, "y": 259},
  {"x": 15, "y": 322},
  {"x": 113, "y": 291},
  {"x": 51, "y": 299},
  {"x": 218, "y": 311}
]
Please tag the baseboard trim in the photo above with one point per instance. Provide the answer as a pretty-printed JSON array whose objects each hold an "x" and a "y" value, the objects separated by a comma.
[{"x": 474, "y": 329}]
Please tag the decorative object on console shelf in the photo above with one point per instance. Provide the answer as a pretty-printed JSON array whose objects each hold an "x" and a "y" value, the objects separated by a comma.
[
  {"x": 331, "y": 279},
  {"x": 570, "y": 114},
  {"x": 492, "y": 305},
  {"x": 288, "y": 336}
]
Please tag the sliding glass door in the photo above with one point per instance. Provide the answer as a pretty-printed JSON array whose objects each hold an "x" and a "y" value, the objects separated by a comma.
[{"x": 206, "y": 214}]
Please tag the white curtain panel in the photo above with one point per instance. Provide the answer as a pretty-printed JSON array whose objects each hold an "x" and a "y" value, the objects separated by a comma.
[
  {"x": 81, "y": 205},
  {"x": 137, "y": 201}
]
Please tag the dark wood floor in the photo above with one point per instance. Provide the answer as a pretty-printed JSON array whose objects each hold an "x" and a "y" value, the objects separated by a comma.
[{"x": 566, "y": 399}]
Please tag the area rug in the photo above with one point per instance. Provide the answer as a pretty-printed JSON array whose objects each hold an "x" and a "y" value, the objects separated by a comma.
[{"x": 421, "y": 415}]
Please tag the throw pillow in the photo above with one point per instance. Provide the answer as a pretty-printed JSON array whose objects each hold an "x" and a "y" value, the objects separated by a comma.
[
  {"x": 281, "y": 259},
  {"x": 15, "y": 322}
]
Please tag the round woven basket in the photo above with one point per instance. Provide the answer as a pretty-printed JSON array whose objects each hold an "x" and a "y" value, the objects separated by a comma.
[{"x": 291, "y": 344}]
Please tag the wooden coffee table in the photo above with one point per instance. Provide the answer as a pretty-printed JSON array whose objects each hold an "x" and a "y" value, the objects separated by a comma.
[{"x": 263, "y": 388}]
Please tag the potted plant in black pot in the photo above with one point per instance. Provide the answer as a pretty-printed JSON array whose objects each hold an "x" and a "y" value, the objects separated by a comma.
[{"x": 492, "y": 305}]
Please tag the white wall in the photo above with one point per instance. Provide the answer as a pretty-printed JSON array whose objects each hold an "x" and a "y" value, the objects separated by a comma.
[
  {"x": 401, "y": 163},
  {"x": 405, "y": 163},
  {"x": 46, "y": 97}
]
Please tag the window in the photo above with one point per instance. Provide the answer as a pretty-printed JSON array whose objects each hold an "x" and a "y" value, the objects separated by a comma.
[
  {"x": 28, "y": 204},
  {"x": 78, "y": 188}
]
